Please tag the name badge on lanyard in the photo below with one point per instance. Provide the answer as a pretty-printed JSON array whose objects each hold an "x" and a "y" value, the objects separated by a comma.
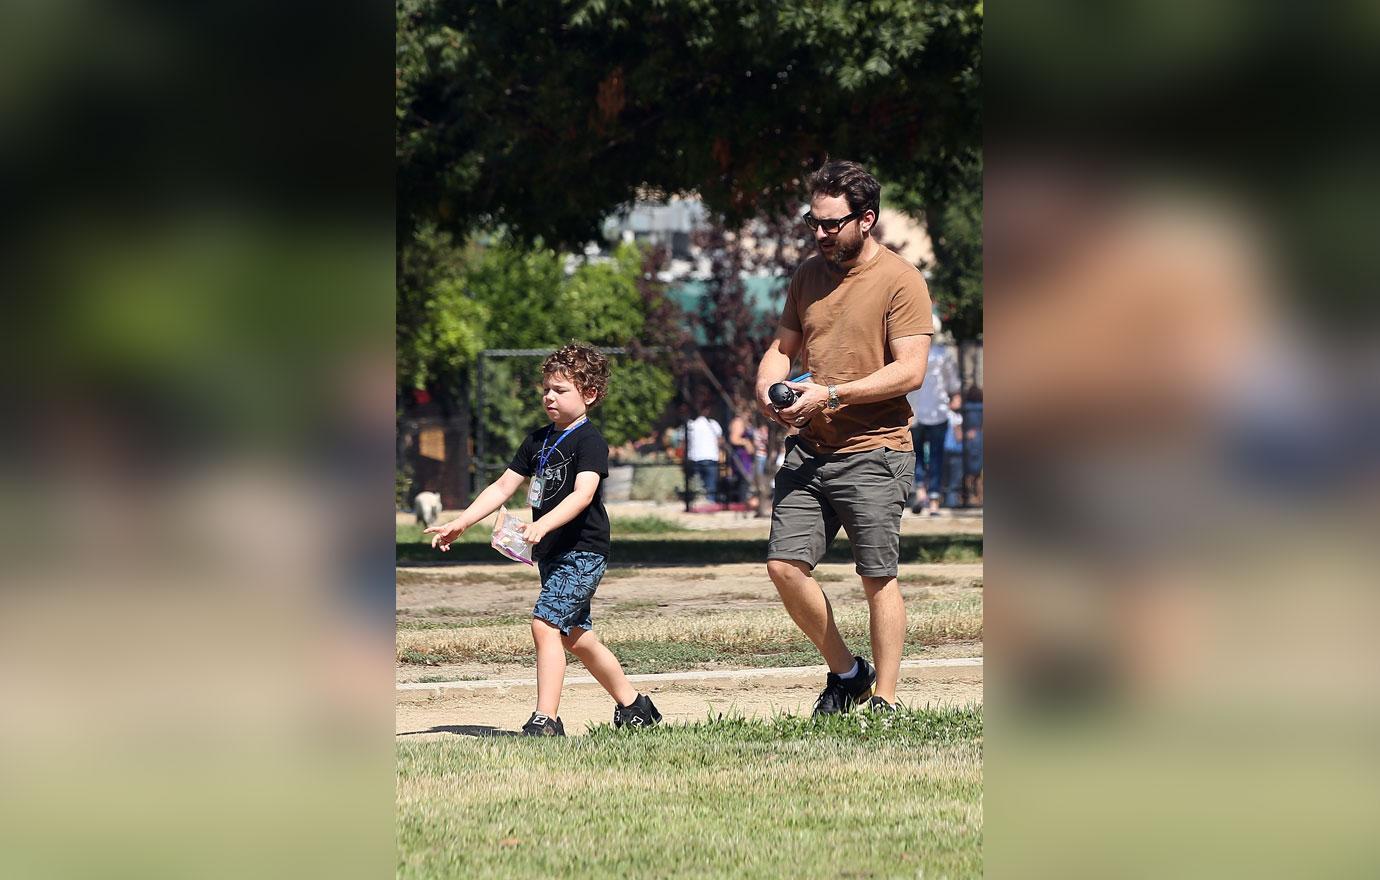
[{"x": 537, "y": 491}]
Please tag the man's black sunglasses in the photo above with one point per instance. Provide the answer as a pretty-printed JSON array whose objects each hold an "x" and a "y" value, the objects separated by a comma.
[{"x": 830, "y": 226}]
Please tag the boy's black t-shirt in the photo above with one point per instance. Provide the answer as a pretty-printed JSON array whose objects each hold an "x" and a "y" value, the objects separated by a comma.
[{"x": 583, "y": 449}]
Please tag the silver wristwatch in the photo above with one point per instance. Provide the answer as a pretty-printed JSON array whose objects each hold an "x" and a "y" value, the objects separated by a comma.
[{"x": 833, "y": 397}]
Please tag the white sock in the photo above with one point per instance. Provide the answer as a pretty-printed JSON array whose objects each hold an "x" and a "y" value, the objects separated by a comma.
[{"x": 857, "y": 667}]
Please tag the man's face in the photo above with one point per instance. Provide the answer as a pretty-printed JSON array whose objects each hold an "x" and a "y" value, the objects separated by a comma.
[{"x": 844, "y": 246}]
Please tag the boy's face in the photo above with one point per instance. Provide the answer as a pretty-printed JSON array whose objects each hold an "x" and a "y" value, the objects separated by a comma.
[{"x": 564, "y": 402}]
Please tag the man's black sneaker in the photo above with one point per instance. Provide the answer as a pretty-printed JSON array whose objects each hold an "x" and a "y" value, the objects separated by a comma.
[
  {"x": 842, "y": 694},
  {"x": 640, "y": 713},
  {"x": 541, "y": 724},
  {"x": 877, "y": 704}
]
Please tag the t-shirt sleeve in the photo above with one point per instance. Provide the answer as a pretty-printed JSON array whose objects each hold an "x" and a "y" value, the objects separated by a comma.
[
  {"x": 909, "y": 313},
  {"x": 790, "y": 312},
  {"x": 592, "y": 455},
  {"x": 522, "y": 459}
]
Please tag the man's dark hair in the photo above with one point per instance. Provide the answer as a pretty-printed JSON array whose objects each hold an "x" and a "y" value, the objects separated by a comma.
[{"x": 851, "y": 180}]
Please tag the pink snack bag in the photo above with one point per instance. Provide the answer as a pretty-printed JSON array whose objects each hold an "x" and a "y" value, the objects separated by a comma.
[{"x": 508, "y": 538}]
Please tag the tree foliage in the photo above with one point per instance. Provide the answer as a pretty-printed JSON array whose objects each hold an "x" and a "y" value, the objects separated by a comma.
[
  {"x": 541, "y": 117},
  {"x": 506, "y": 295}
]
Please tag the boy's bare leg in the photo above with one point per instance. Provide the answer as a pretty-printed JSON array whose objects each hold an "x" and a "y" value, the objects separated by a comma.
[
  {"x": 550, "y": 666},
  {"x": 887, "y": 613},
  {"x": 810, "y": 609},
  {"x": 601, "y": 663}
]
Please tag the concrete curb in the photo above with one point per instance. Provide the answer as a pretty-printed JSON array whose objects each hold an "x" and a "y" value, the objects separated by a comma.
[{"x": 421, "y": 691}]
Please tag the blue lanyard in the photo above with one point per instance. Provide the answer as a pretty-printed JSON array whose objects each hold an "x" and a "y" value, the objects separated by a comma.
[{"x": 545, "y": 455}]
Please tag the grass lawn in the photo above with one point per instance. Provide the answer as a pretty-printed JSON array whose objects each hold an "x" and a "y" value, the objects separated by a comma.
[{"x": 789, "y": 797}]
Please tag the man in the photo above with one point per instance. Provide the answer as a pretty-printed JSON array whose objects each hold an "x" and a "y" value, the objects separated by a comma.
[
  {"x": 702, "y": 449},
  {"x": 932, "y": 404},
  {"x": 858, "y": 317}
]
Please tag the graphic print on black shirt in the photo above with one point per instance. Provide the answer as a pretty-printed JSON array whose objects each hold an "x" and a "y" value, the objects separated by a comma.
[{"x": 583, "y": 449}]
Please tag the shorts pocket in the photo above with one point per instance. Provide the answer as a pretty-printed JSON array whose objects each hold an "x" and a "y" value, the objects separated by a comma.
[{"x": 900, "y": 464}]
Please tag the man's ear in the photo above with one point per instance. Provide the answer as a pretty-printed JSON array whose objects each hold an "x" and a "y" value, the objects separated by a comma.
[{"x": 870, "y": 223}]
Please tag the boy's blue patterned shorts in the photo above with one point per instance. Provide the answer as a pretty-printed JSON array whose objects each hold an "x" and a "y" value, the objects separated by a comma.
[{"x": 568, "y": 583}]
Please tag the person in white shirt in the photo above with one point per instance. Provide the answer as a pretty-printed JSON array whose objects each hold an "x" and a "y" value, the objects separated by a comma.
[
  {"x": 702, "y": 452},
  {"x": 931, "y": 405}
]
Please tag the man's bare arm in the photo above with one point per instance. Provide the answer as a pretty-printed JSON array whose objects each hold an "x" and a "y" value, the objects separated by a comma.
[
  {"x": 775, "y": 367},
  {"x": 898, "y": 378}
]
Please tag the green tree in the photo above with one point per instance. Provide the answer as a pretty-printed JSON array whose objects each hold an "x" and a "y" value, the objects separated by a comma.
[
  {"x": 506, "y": 295},
  {"x": 544, "y": 116},
  {"x": 952, "y": 211}
]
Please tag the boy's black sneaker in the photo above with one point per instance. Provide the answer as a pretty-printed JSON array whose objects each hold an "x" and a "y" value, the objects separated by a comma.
[
  {"x": 640, "y": 713},
  {"x": 842, "y": 694},
  {"x": 541, "y": 724},
  {"x": 877, "y": 704}
]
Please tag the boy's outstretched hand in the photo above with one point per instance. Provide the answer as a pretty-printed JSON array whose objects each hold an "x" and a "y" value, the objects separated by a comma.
[{"x": 446, "y": 533}]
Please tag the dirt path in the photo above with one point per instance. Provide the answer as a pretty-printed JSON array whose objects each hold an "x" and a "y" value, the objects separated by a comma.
[
  {"x": 460, "y": 699},
  {"x": 511, "y": 588},
  {"x": 488, "y": 709}
]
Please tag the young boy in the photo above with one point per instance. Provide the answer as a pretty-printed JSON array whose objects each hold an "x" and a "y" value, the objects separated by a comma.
[{"x": 570, "y": 528}]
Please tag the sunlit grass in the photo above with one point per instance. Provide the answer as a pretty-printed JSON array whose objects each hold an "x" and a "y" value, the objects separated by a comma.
[{"x": 856, "y": 795}]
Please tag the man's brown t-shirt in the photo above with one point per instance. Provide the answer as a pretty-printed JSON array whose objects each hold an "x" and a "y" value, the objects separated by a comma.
[{"x": 848, "y": 321}]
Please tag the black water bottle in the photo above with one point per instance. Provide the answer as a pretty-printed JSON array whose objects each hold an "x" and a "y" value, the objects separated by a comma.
[{"x": 780, "y": 395}]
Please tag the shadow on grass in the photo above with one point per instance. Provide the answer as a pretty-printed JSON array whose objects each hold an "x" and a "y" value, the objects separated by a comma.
[
  {"x": 661, "y": 551},
  {"x": 463, "y": 730}
]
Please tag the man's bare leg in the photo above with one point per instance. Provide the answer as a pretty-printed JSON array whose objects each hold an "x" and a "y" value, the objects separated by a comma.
[
  {"x": 888, "y": 626},
  {"x": 810, "y": 609}
]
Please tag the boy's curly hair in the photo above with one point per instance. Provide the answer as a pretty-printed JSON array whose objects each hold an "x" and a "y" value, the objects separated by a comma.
[{"x": 584, "y": 365}]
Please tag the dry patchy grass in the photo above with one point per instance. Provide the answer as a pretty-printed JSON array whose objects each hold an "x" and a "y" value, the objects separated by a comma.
[{"x": 728, "y": 634}]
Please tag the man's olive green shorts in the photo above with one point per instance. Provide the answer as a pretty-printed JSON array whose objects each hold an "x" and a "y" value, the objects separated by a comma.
[{"x": 864, "y": 492}]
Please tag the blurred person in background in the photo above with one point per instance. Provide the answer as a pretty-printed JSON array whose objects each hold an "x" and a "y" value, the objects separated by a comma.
[
  {"x": 953, "y": 461},
  {"x": 742, "y": 443},
  {"x": 932, "y": 405},
  {"x": 1127, "y": 324},
  {"x": 702, "y": 451},
  {"x": 972, "y": 446}
]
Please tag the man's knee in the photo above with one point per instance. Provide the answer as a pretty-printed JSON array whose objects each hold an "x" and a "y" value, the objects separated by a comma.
[
  {"x": 786, "y": 571},
  {"x": 879, "y": 586}
]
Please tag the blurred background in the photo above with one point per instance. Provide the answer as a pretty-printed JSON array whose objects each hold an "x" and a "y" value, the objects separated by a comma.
[
  {"x": 1184, "y": 440},
  {"x": 195, "y": 628}
]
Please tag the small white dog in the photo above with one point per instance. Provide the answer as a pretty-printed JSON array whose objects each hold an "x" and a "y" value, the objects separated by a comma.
[{"x": 428, "y": 507}]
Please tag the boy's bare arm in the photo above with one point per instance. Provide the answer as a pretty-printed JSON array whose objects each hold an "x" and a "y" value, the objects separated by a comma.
[
  {"x": 487, "y": 502},
  {"x": 586, "y": 482}
]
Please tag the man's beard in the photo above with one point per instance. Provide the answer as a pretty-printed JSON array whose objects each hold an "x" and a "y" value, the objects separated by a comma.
[{"x": 843, "y": 252}]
